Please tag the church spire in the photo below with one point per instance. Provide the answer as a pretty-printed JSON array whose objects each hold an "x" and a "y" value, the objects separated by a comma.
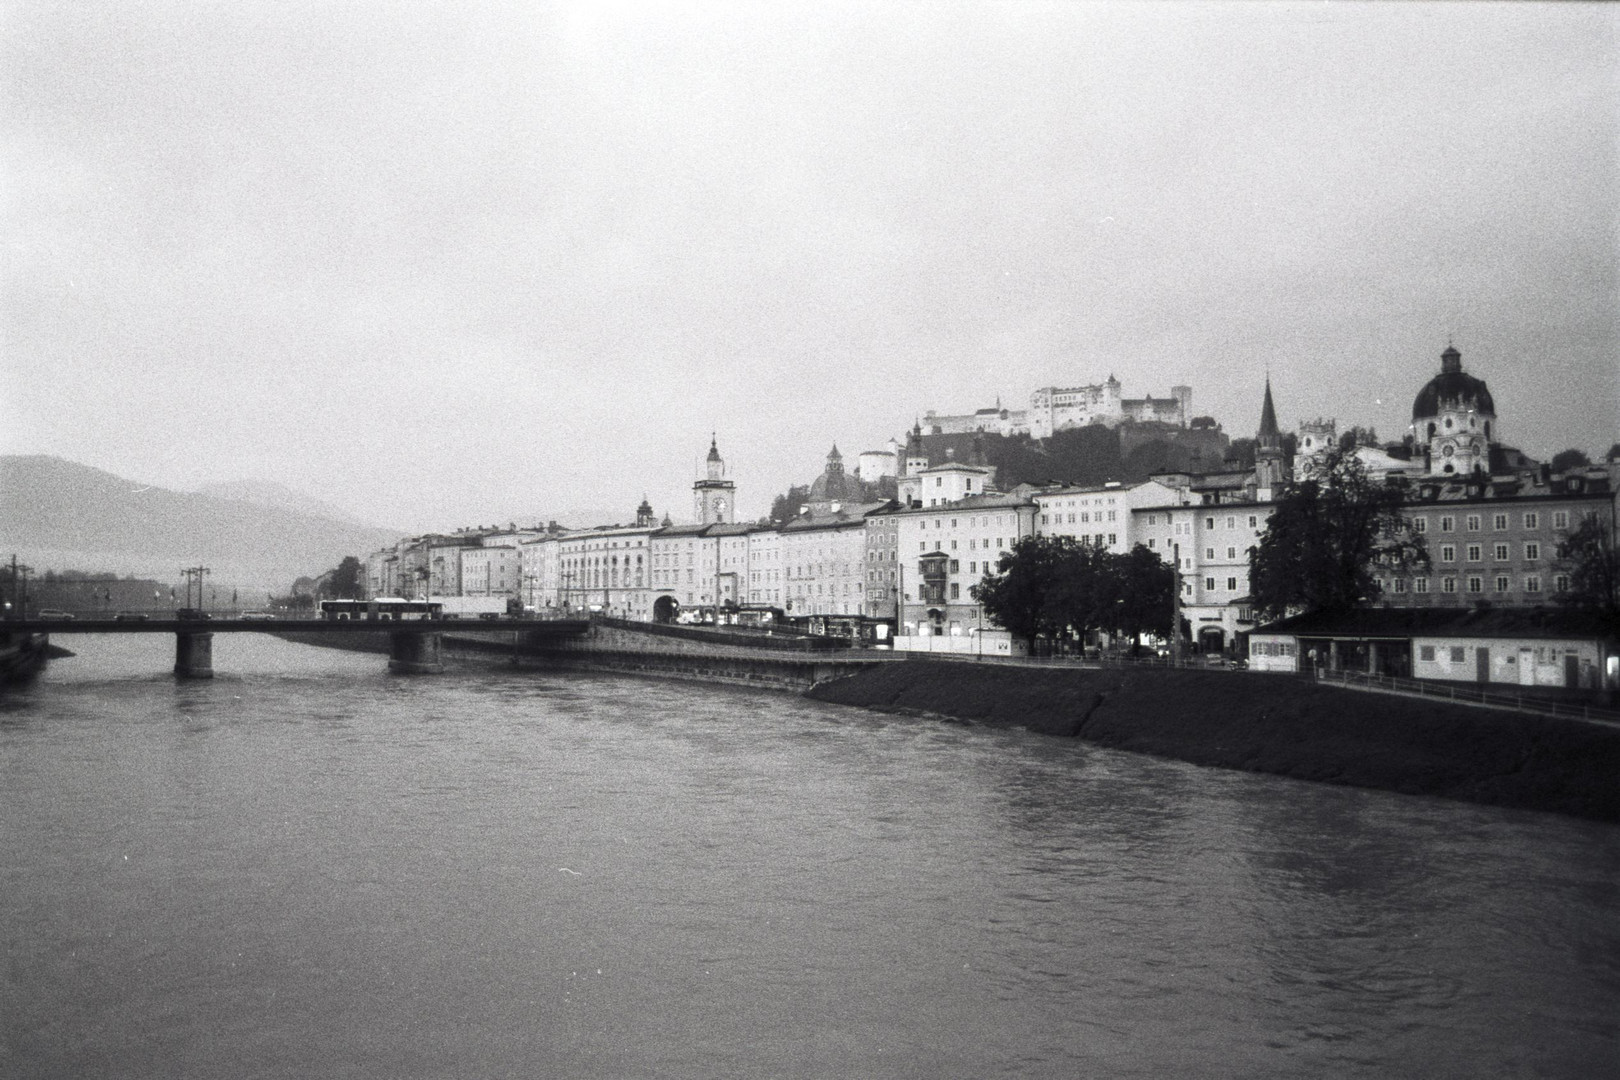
[{"x": 1268, "y": 435}]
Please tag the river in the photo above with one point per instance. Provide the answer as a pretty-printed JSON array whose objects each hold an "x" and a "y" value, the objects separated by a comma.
[{"x": 308, "y": 867}]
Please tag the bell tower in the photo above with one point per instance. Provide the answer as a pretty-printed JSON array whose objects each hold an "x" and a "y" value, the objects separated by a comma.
[{"x": 714, "y": 497}]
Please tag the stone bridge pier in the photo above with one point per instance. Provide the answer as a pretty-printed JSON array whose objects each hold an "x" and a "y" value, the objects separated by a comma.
[
  {"x": 193, "y": 655},
  {"x": 415, "y": 653}
]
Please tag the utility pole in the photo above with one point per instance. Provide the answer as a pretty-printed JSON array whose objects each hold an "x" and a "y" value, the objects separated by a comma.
[{"x": 194, "y": 575}]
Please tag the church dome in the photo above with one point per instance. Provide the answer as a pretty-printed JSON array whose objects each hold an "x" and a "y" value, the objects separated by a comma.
[{"x": 1452, "y": 388}]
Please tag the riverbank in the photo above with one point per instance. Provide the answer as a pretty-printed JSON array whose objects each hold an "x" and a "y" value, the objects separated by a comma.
[{"x": 1272, "y": 724}]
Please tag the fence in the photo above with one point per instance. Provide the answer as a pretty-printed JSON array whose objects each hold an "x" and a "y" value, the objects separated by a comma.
[{"x": 1466, "y": 694}]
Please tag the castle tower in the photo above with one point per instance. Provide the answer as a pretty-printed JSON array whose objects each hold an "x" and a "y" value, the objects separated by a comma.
[
  {"x": 714, "y": 497},
  {"x": 644, "y": 514},
  {"x": 1268, "y": 452},
  {"x": 1454, "y": 420},
  {"x": 1316, "y": 437},
  {"x": 916, "y": 456}
]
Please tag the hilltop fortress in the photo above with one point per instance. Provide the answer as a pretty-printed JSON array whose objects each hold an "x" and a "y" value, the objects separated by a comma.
[{"x": 1053, "y": 408}]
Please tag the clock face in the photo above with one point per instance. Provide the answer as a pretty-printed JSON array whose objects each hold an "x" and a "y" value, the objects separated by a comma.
[{"x": 719, "y": 504}]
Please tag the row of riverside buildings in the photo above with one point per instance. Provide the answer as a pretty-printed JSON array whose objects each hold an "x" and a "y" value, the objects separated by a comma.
[{"x": 1493, "y": 520}]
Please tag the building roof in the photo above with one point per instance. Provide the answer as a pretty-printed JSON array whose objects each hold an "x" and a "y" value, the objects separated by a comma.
[
  {"x": 1453, "y": 387},
  {"x": 1441, "y": 622}
]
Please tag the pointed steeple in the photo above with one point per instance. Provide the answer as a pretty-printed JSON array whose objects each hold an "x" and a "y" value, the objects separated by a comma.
[{"x": 1268, "y": 436}]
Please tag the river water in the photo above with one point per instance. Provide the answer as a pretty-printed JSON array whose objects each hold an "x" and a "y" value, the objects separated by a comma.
[{"x": 307, "y": 867}]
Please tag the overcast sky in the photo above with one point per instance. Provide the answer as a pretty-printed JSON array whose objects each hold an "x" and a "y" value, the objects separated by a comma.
[{"x": 451, "y": 264}]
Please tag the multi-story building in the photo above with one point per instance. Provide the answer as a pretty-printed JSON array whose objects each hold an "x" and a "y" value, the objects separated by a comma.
[
  {"x": 607, "y": 570},
  {"x": 1099, "y": 514},
  {"x": 824, "y": 562},
  {"x": 765, "y": 588},
  {"x": 882, "y": 565},
  {"x": 944, "y": 550},
  {"x": 1495, "y": 542}
]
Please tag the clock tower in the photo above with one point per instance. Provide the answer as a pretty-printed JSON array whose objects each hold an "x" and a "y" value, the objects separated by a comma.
[{"x": 714, "y": 496}]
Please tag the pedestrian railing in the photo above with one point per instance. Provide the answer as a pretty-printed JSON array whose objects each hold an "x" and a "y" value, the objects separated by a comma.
[{"x": 1468, "y": 695}]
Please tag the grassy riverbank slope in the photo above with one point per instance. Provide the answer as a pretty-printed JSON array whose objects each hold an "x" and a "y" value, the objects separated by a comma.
[{"x": 1273, "y": 724}]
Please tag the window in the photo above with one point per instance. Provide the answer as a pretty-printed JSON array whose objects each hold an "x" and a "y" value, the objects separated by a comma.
[
  {"x": 1560, "y": 519},
  {"x": 1209, "y": 583},
  {"x": 1501, "y": 583},
  {"x": 1153, "y": 544},
  {"x": 1532, "y": 520},
  {"x": 1254, "y": 521},
  {"x": 956, "y": 566},
  {"x": 1474, "y": 553},
  {"x": 1420, "y": 525},
  {"x": 1448, "y": 552},
  {"x": 1209, "y": 553},
  {"x": 1426, "y": 652},
  {"x": 1448, "y": 523},
  {"x": 1476, "y": 584},
  {"x": 1561, "y": 583},
  {"x": 1113, "y": 538},
  {"x": 1499, "y": 522},
  {"x": 1231, "y": 553},
  {"x": 1532, "y": 584},
  {"x": 1501, "y": 553},
  {"x": 1420, "y": 585},
  {"x": 1457, "y": 654},
  {"x": 956, "y": 591},
  {"x": 1532, "y": 551},
  {"x": 1231, "y": 584},
  {"x": 1448, "y": 585},
  {"x": 1473, "y": 523},
  {"x": 1231, "y": 522},
  {"x": 1400, "y": 584},
  {"x": 1209, "y": 523}
]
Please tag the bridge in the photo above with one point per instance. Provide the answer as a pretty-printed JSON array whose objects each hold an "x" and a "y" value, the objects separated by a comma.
[{"x": 414, "y": 648}]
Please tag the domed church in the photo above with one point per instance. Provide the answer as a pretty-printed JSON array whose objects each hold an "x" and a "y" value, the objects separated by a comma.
[{"x": 1454, "y": 420}]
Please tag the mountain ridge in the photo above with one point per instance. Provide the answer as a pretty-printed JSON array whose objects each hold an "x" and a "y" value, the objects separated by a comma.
[{"x": 52, "y": 508}]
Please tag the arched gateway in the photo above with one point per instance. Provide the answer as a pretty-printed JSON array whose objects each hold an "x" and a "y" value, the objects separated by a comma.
[{"x": 665, "y": 608}]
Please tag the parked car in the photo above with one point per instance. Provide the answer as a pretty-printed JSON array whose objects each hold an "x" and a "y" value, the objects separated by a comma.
[
  {"x": 257, "y": 615},
  {"x": 52, "y": 613},
  {"x": 188, "y": 613},
  {"x": 131, "y": 616}
]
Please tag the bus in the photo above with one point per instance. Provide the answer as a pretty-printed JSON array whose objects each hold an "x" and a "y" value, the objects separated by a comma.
[{"x": 382, "y": 609}]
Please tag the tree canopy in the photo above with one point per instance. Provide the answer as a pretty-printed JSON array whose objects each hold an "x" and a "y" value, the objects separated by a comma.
[
  {"x": 1569, "y": 459},
  {"x": 1325, "y": 537},
  {"x": 1050, "y": 585},
  {"x": 1591, "y": 558}
]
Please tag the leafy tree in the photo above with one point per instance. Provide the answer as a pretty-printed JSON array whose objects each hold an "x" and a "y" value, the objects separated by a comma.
[
  {"x": 1358, "y": 436},
  {"x": 1569, "y": 459},
  {"x": 1591, "y": 558},
  {"x": 348, "y": 580},
  {"x": 1324, "y": 538},
  {"x": 1144, "y": 595},
  {"x": 1053, "y": 584},
  {"x": 1020, "y": 593},
  {"x": 785, "y": 508}
]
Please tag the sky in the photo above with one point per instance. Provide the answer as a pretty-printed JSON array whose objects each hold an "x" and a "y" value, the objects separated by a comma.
[{"x": 450, "y": 264}]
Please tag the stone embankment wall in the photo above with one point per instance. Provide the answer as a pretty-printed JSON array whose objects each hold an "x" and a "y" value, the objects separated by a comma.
[
  {"x": 1273, "y": 724},
  {"x": 631, "y": 651}
]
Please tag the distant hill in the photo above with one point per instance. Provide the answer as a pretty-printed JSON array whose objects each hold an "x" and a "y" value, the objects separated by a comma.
[
  {"x": 56, "y": 514},
  {"x": 279, "y": 497}
]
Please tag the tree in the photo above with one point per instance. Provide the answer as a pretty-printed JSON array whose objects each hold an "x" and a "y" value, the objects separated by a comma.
[
  {"x": 1019, "y": 594},
  {"x": 1591, "y": 558},
  {"x": 1358, "y": 436},
  {"x": 1050, "y": 585},
  {"x": 1565, "y": 460},
  {"x": 785, "y": 508},
  {"x": 1144, "y": 594},
  {"x": 348, "y": 580},
  {"x": 1325, "y": 536}
]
